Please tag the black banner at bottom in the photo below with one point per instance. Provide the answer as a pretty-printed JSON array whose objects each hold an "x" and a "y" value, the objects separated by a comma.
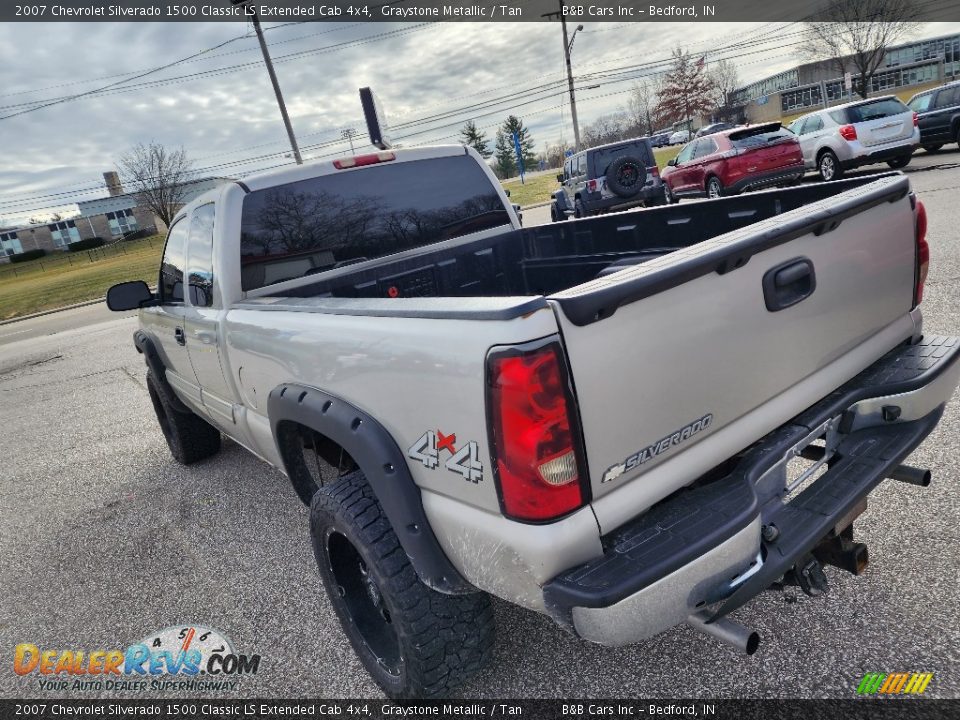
[{"x": 854, "y": 709}]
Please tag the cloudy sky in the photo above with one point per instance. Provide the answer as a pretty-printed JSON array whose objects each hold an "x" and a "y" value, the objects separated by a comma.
[{"x": 220, "y": 107}]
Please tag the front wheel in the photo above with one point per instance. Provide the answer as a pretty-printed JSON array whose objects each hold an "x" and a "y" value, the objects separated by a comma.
[
  {"x": 829, "y": 167},
  {"x": 669, "y": 196},
  {"x": 578, "y": 210},
  {"x": 899, "y": 162},
  {"x": 554, "y": 213},
  {"x": 415, "y": 642},
  {"x": 714, "y": 188}
]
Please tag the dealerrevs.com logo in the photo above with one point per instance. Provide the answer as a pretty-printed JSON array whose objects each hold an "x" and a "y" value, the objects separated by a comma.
[{"x": 188, "y": 657}]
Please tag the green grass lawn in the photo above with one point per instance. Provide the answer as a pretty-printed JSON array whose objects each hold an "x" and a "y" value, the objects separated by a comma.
[{"x": 26, "y": 288}]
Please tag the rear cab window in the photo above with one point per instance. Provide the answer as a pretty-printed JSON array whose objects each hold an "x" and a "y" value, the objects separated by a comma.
[
  {"x": 305, "y": 227},
  {"x": 875, "y": 110}
]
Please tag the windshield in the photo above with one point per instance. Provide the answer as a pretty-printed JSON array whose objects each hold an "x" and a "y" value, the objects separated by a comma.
[{"x": 312, "y": 225}]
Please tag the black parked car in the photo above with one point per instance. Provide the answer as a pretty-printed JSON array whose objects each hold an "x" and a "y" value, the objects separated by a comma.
[
  {"x": 608, "y": 177},
  {"x": 938, "y": 115}
]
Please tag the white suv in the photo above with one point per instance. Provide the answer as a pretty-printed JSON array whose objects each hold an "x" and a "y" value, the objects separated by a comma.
[{"x": 860, "y": 133}]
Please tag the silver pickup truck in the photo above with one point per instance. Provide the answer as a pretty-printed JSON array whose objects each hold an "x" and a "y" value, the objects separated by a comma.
[{"x": 625, "y": 422}]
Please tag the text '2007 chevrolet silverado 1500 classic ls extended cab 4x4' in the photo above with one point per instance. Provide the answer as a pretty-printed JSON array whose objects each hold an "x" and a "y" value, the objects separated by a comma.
[{"x": 591, "y": 419}]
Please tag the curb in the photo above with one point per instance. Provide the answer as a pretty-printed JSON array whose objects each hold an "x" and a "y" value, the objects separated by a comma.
[
  {"x": 52, "y": 311},
  {"x": 536, "y": 205}
]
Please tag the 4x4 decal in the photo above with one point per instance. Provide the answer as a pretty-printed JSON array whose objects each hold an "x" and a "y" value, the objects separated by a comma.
[{"x": 465, "y": 462}]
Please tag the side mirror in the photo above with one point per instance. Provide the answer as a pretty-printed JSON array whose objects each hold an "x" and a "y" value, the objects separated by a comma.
[
  {"x": 507, "y": 192},
  {"x": 131, "y": 295},
  {"x": 672, "y": 162},
  {"x": 559, "y": 177}
]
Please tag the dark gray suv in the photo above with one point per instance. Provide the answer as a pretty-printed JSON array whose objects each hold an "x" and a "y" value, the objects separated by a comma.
[
  {"x": 938, "y": 112},
  {"x": 608, "y": 177}
]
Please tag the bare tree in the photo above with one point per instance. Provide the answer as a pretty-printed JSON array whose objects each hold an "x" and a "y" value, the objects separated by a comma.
[
  {"x": 642, "y": 100},
  {"x": 725, "y": 80},
  {"x": 158, "y": 176},
  {"x": 855, "y": 35}
]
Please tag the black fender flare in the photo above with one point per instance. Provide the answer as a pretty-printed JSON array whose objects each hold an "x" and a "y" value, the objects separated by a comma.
[
  {"x": 560, "y": 198},
  {"x": 385, "y": 467},
  {"x": 146, "y": 347}
]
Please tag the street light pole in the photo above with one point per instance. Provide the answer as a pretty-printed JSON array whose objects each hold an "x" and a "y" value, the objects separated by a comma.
[{"x": 251, "y": 11}]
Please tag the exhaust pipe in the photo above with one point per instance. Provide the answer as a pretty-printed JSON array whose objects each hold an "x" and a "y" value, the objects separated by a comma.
[
  {"x": 732, "y": 633},
  {"x": 912, "y": 475}
]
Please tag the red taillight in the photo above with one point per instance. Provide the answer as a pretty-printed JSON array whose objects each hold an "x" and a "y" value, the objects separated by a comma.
[
  {"x": 916, "y": 120},
  {"x": 923, "y": 252},
  {"x": 592, "y": 185},
  {"x": 848, "y": 132},
  {"x": 653, "y": 171},
  {"x": 361, "y": 160},
  {"x": 534, "y": 434}
]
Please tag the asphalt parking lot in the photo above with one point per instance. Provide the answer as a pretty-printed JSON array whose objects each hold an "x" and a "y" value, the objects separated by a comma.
[{"x": 105, "y": 539}]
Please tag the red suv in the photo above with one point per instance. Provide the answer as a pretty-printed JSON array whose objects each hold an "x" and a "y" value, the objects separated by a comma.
[{"x": 731, "y": 161}]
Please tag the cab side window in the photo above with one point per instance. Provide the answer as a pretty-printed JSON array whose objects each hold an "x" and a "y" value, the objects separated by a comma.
[
  {"x": 172, "y": 265},
  {"x": 921, "y": 103},
  {"x": 200, "y": 256}
]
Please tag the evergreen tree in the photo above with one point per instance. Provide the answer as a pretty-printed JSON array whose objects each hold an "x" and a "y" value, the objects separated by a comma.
[
  {"x": 512, "y": 125},
  {"x": 471, "y": 136},
  {"x": 505, "y": 160}
]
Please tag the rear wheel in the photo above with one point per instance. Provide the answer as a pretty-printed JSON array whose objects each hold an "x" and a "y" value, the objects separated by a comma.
[
  {"x": 899, "y": 162},
  {"x": 933, "y": 148},
  {"x": 414, "y": 641},
  {"x": 555, "y": 215},
  {"x": 828, "y": 166},
  {"x": 189, "y": 437},
  {"x": 578, "y": 210},
  {"x": 714, "y": 187}
]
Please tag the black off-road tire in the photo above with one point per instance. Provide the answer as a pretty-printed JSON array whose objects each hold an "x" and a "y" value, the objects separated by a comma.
[
  {"x": 626, "y": 176},
  {"x": 426, "y": 643},
  {"x": 578, "y": 210},
  {"x": 555, "y": 215},
  {"x": 189, "y": 437}
]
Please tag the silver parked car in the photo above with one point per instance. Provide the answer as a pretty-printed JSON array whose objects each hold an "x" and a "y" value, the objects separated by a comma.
[
  {"x": 680, "y": 137},
  {"x": 859, "y": 133}
]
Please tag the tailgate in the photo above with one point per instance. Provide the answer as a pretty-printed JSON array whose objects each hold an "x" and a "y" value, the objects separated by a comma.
[
  {"x": 667, "y": 354},
  {"x": 885, "y": 130}
]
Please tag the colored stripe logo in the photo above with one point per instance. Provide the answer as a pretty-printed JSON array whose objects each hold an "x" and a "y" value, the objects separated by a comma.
[{"x": 894, "y": 683}]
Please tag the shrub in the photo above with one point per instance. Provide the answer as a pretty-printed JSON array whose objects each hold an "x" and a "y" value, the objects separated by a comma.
[
  {"x": 28, "y": 255},
  {"x": 88, "y": 244}
]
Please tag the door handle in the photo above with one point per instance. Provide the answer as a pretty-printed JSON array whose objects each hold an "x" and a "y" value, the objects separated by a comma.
[
  {"x": 178, "y": 334},
  {"x": 788, "y": 283}
]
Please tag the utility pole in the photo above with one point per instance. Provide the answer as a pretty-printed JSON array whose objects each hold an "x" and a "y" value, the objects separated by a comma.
[
  {"x": 349, "y": 134},
  {"x": 567, "y": 47},
  {"x": 251, "y": 11}
]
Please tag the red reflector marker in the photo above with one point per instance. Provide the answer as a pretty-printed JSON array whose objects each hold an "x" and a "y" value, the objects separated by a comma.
[{"x": 923, "y": 252}]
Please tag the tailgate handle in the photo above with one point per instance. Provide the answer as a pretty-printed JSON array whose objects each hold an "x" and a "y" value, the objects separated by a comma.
[{"x": 789, "y": 283}]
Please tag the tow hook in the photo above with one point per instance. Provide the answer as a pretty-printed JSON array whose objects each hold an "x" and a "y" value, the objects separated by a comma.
[{"x": 808, "y": 575}]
